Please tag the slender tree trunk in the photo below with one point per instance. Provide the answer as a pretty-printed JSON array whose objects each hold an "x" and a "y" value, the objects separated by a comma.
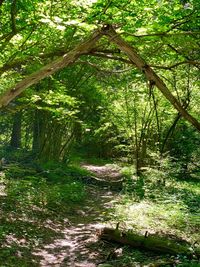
[
  {"x": 38, "y": 131},
  {"x": 15, "y": 141},
  {"x": 155, "y": 103},
  {"x": 144, "y": 134},
  {"x": 170, "y": 132},
  {"x": 186, "y": 103},
  {"x": 137, "y": 148}
]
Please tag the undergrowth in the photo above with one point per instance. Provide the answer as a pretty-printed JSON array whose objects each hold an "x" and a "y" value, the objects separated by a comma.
[
  {"x": 32, "y": 198},
  {"x": 160, "y": 204}
]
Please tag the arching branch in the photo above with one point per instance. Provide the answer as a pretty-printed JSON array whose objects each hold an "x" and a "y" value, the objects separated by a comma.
[
  {"x": 149, "y": 73},
  {"x": 86, "y": 48},
  {"x": 49, "y": 69}
]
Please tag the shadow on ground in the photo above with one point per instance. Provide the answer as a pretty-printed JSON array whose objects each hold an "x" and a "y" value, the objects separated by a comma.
[{"x": 79, "y": 245}]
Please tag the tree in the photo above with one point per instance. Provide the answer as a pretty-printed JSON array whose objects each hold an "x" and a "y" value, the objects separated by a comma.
[
  {"x": 15, "y": 141},
  {"x": 159, "y": 39},
  {"x": 153, "y": 78}
]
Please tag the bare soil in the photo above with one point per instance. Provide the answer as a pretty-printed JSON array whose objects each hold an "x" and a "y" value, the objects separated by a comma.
[{"x": 106, "y": 172}]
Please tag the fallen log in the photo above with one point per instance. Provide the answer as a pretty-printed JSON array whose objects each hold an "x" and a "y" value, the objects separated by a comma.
[{"x": 149, "y": 242}]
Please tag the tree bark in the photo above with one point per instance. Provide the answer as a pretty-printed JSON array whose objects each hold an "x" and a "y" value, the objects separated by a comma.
[
  {"x": 151, "y": 76},
  {"x": 49, "y": 69}
]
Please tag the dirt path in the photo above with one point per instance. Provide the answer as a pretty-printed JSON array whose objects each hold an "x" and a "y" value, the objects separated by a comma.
[
  {"x": 106, "y": 172},
  {"x": 79, "y": 245}
]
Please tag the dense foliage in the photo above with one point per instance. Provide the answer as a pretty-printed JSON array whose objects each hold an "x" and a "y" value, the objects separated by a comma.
[
  {"x": 101, "y": 103},
  {"x": 72, "y": 86}
]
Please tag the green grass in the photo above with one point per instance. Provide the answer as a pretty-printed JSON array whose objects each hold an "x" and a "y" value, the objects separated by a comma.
[{"x": 172, "y": 208}]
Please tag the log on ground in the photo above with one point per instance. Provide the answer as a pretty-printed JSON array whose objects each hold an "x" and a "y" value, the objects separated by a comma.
[{"x": 148, "y": 242}]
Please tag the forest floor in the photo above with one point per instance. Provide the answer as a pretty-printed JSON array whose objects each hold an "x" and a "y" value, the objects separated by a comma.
[
  {"x": 79, "y": 245},
  {"x": 69, "y": 236}
]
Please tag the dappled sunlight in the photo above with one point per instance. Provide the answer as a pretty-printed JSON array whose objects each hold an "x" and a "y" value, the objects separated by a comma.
[
  {"x": 76, "y": 248},
  {"x": 2, "y": 185},
  {"x": 108, "y": 171},
  {"x": 158, "y": 218},
  {"x": 70, "y": 240},
  {"x": 67, "y": 233},
  {"x": 79, "y": 244},
  {"x": 69, "y": 236},
  {"x": 2, "y": 190},
  {"x": 11, "y": 239}
]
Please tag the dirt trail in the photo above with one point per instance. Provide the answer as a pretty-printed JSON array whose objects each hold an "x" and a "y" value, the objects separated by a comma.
[
  {"x": 106, "y": 172},
  {"x": 79, "y": 246}
]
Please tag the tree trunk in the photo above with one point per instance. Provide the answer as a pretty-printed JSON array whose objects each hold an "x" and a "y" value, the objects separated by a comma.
[
  {"x": 38, "y": 131},
  {"x": 51, "y": 138},
  {"x": 15, "y": 141},
  {"x": 170, "y": 132}
]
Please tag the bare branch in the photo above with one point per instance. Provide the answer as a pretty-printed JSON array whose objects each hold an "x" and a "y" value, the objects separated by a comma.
[
  {"x": 190, "y": 62},
  {"x": 19, "y": 63},
  {"x": 100, "y": 69},
  {"x": 179, "y": 53},
  {"x": 60, "y": 52},
  {"x": 162, "y": 34},
  {"x": 7, "y": 37},
  {"x": 110, "y": 57}
]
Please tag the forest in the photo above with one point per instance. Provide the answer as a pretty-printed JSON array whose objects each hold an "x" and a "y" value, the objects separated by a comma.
[{"x": 99, "y": 133}]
